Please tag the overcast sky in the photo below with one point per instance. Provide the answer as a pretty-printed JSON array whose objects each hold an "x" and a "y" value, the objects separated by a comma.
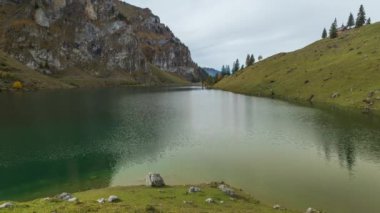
[{"x": 219, "y": 31}]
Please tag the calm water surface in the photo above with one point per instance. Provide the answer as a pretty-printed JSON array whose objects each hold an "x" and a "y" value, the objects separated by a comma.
[{"x": 281, "y": 153}]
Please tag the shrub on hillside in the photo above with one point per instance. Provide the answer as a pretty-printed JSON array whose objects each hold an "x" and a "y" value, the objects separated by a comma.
[{"x": 17, "y": 85}]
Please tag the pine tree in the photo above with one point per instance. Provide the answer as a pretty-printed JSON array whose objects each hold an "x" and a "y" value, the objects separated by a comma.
[
  {"x": 253, "y": 60},
  {"x": 248, "y": 61},
  {"x": 351, "y": 21},
  {"x": 360, "y": 20},
  {"x": 242, "y": 67},
  {"x": 334, "y": 30},
  {"x": 236, "y": 66},
  {"x": 228, "y": 70},
  {"x": 324, "y": 33},
  {"x": 260, "y": 58},
  {"x": 369, "y": 21},
  {"x": 223, "y": 70}
]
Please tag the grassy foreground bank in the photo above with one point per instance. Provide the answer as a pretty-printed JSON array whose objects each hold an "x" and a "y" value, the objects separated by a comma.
[
  {"x": 145, "y": 199},
  {"x": 342, "y": 72}
]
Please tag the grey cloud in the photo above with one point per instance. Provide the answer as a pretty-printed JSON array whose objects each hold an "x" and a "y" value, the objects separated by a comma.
[{"x": 219, "y": 31}]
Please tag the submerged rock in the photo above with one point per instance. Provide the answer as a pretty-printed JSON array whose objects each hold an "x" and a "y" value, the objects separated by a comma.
[
  {"x": 113, "y": 199},
  {"x": 228, "y": 191},
  {"x": 277, "y": 207},
  {"x": 194, "y": 189},
  {"x": 6, "y": 205},
  {"x": 154, "y": 180}
]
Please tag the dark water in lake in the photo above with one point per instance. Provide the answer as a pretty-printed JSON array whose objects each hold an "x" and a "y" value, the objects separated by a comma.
[{"x": 296, "y": 156}]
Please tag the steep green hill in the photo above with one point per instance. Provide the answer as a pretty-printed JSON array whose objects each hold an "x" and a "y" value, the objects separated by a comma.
[{"x": 343, "y": 72}]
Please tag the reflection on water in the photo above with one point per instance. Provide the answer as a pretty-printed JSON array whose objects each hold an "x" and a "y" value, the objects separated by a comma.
[{"x": 299, "y": 157}]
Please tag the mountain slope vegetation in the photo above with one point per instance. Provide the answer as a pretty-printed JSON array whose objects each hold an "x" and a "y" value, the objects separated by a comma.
[{"x": 344, "y": 72}]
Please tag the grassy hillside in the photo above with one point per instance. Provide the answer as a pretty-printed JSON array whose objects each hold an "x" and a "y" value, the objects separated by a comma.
[
  {"x": 143, "y": 199},
  {"x": 343, "y": 72},
  {"x": 12, "y": 71}
]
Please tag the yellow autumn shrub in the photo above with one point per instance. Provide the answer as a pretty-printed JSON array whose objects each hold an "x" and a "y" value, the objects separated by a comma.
[{"x": 17, "y": 85}]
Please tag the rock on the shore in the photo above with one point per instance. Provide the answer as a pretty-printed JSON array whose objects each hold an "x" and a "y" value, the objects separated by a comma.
[
  {"x": 113, "y": 199},
  {"x": 73, "y": 200},
  {"x": 101, "y": 200},
  {"x": 6, "y": 205},
  {"x": 65, "y": 196},
  {"x": 154, "y": 180},
  {"x": 194, "y": 189},
  {"x": 209, "y": 200},
  {"x": 311, "y": 210},
  {"x": 228, "y": 191}
]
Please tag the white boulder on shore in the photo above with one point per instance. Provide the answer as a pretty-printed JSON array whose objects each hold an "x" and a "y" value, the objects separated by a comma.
[
  {"x": 311, "y": 210},
  {"x": 209, "y": 200},
  {"x": 113, "y": 199},
  {"x": 194, "y": 189},
  {"x": 65, "y": 196},
  {"x": 228, "y": 191},
  {"x": 101, "y": 200},
  {"x": 154, "y": 180},
  {"x": 6, "y": 205}
]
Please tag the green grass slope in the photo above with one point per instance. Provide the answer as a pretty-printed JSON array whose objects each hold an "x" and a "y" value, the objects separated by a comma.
[
  {"x": 12, "y": 70},
  {"x": 144, "y": 199},
  {"x": 344, "y": 72}
]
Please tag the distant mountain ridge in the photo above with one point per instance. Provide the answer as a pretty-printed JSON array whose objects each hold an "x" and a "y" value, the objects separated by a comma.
[
  {"x": 211, "y": 71},
  {"x": 85, "y": 39}
]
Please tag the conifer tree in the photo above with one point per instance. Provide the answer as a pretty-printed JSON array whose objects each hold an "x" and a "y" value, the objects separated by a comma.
[
  {"x": 351, "y": 21},
  {"x": 368, "y": 21},
  {"x": 360, "y": 20},
  {"x": 260, "y": 58},
  {"x": 223, "y": 70},
  {"x": 248, "y": 61},
  {"x": 228, "y": 70},
  {"x": 334, "y": 30},
  {"x": 324, "y": 33},
  {"x": 236, "y": 66},
  {"x": 253, "y": 60}
]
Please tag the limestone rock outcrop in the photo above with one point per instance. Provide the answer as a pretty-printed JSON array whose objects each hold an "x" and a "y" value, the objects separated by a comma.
[{"x": 97, "y": 37}]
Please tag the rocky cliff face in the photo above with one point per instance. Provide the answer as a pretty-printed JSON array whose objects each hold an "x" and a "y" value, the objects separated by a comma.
[{"x": 98, "y": 37}]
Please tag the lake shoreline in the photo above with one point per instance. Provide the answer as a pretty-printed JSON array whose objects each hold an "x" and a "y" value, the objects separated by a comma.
[
  {"x": 210, "y": 197},
  {"x": 308, "y": 103}
]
